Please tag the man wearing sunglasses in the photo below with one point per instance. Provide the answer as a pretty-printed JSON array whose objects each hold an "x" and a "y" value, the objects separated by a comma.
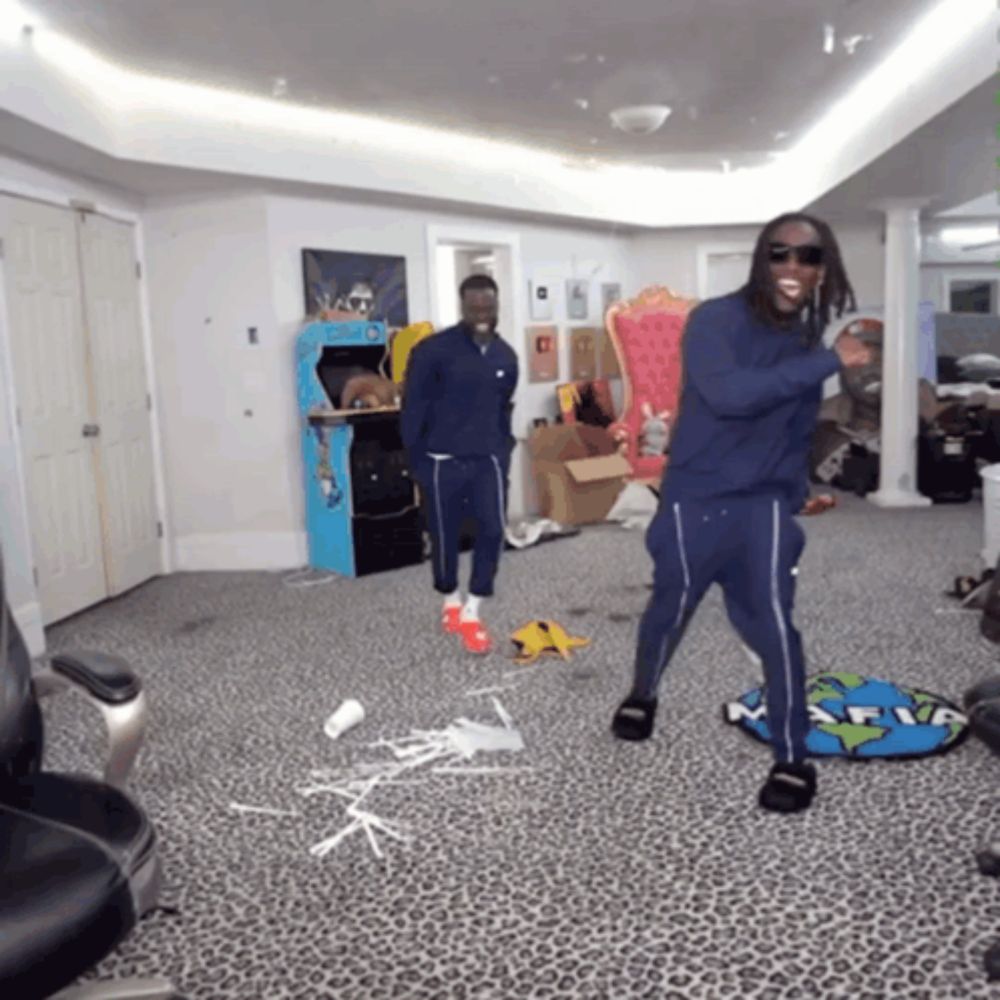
[{"x": 754, "y": 368}]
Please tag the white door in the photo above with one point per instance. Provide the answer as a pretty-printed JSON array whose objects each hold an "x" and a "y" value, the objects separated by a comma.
[
  {"x": 45, "y": 327},
  {"x": 726, "y": 273},
  {"x": 125, "y": 441}
]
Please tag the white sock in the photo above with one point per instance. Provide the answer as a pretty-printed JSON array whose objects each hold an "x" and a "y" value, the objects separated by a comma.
[
  {"x": 470, "y": 611},
  {"x": 453, "y": 600}
]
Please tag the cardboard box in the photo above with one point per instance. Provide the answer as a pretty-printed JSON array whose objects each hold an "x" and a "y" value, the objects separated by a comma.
[{"x": 578, "y": 472}]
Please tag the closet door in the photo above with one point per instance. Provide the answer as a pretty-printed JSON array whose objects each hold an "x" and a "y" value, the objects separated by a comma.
[
  {"x": 56, "y": 415},
  {"x": 125, "y": 444}
]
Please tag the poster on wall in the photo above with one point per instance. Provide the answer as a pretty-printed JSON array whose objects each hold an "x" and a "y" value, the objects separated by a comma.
[
  {"x": 543, "y": 353},
  {"x": 583, "y": 353},
  {"x": 607, "y": 357},
  {"x": 540, "y": 300},
  {"x": 611, "y": 292},
  {"x": 368, "y": 286},
  {"x": 577, "y": 294}
]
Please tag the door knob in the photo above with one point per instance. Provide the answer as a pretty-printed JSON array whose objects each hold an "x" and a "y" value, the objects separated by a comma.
[{"x": 91, "y": 430}]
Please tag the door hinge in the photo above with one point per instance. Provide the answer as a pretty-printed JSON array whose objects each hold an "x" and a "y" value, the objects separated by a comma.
[
  {"x": 159, "y": 529},
  {"x": 34, "y": 573},
  {"x": 1, "y": 249},
  {"x": 138, "y": 270},
  {"x": 149, "y": 402},
  {"x": 17, "y": 415}
]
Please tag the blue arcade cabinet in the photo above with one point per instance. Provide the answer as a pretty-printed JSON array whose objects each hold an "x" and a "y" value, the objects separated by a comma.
[{"x": 362, "y": 514}]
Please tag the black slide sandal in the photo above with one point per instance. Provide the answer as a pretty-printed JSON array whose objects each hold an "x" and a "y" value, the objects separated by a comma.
[
  {"x": 634, "y": 719},
  {"x": 789, "y": 788}
]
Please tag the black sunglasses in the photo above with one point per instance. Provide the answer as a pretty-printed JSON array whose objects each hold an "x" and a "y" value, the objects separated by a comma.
[{"x": 807, "y": 255}]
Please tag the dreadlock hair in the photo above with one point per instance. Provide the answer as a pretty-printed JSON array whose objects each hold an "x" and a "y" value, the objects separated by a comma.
[{"x": 834, "y": 295}]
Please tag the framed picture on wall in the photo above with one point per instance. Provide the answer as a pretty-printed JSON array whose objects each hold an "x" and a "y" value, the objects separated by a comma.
[
  {"x": 583, "y": 353},
  {"x": 577, "y": 296},
  {"x": 611, "y": 292},
  {"x": 606, "y": 357},
  {"x": 368, "y": 286},
  {"x": 539, "y": 300},
  {"x": 543, "y": 353}
]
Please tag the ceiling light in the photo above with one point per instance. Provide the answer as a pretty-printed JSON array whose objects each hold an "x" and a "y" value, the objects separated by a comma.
[
  {"x": 829, "y": 39},
  {"x": 582, "y": 103},
  {"x": 640, "y": 119},
  {"x": 16, "y": 22},
  {"x": 957, "y": 235}
]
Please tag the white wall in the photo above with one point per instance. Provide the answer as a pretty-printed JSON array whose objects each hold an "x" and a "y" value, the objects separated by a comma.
[
  {"x": 224, "y": 401},
  {"x": 19, "y": 178},
  {"x": 234, "y": 481}
]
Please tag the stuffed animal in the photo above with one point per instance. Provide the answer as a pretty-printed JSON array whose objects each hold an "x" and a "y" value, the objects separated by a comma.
[
  {"x": 655, "y": 433},
  {"x": 368, "y": 392}
]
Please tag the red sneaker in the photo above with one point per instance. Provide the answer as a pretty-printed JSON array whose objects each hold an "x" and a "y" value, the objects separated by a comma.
[
  {"x": 450, "y": 619},
  {"x": 475, "y": 638}
]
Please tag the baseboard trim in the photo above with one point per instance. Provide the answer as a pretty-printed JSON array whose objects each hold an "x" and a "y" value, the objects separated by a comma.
[
  {"x": 238, "y": 551},
  {"x": 29, "y": 621}
]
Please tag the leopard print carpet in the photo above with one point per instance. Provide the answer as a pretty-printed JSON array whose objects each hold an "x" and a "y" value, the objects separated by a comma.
[{"x": 598, "y": 869}]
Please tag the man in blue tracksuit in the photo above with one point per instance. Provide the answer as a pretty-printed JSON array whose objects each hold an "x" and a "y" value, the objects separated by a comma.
[
  {"x": 456, "y": 428},
  {"x": 754, "y": 369}
]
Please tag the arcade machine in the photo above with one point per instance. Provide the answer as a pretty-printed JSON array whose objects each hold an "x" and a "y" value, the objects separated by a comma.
[{"x": 361, "y": 508}]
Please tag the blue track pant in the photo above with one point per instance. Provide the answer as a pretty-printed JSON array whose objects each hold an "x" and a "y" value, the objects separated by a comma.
[
  {"x": 751, "y": 547},
  {"x": 457, "y": 488}
]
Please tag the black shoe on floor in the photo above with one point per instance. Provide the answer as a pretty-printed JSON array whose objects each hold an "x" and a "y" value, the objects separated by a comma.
[
  {"x": 634, "y": 719},
  {"x": 789, "y": 788}
]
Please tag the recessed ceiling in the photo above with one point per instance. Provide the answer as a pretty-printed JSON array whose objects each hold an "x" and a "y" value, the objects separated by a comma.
[{"x": 744, "y": 77}]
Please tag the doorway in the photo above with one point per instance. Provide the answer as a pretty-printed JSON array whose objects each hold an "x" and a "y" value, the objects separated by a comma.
[{"x": 83, "y": 406}]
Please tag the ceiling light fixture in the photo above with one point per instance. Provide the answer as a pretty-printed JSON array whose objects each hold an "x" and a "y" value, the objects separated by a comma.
[
  {"x": 829, "y": 39},
  {"x": 640, "y": 119},
  {"x": 16, "y": 22},
  {"x": 958, "y": 235}
]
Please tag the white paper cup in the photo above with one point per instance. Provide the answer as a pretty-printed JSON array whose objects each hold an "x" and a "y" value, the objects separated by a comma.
[{"x": 349, "y": 714}]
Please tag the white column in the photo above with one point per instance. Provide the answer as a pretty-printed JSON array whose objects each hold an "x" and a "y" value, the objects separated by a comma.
[{"x": 900, "y": 372}]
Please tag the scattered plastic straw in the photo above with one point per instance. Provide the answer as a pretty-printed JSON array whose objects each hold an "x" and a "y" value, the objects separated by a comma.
[{"x": 447, "y": 749}]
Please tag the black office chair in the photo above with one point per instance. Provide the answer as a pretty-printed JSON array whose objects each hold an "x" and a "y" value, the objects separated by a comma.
[{"x": 78, "y": 858}]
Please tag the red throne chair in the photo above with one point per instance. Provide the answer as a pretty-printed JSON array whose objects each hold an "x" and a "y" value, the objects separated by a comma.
[{"x": 646, "y": 333}]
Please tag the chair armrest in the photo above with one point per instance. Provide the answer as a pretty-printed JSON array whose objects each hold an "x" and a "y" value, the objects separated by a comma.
[
  {"x": 108, "y": 683},
  {"x": 109, "y": 679}
]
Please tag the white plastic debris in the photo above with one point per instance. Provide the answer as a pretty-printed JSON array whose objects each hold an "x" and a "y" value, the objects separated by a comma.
[
  {"x": 263, "y": 810},
  {"x": 347, "y": 716},
  {"x": 447, "y": 749}
]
